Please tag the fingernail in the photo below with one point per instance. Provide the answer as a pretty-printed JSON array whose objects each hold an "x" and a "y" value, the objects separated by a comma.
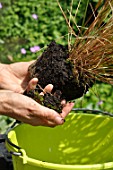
[
  {"x": 59, "y": 120},
  {"x": 64, "y": 120},
  {"x": 72, "y": 103}
]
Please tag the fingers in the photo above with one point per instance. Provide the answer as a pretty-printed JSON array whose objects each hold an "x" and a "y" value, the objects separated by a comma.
[
  {"x": 63, "y": 103},
  {"x": 45, "y": 117},
  {"x": 42, "y": 122},
  {"x": 32, "y": 84},
  {"x": 48, "y": 116},
  {"x": 53, "y": 119},
  {"x": 47, "y": 123},
  {"x": 47, "y": 89},
  {"x": 66, "y": 110}
]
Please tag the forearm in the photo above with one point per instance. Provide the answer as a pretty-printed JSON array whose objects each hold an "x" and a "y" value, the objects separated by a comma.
[
  {"x": 3, "y": 102},
  {"x": 14, "y": 105}
]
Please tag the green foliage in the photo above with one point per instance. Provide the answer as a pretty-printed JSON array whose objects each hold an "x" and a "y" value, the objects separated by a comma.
[
  {"x": 100, "y": 97},
  {"x": 18, "y": 29},
  {"x": 4, "y": 123}
]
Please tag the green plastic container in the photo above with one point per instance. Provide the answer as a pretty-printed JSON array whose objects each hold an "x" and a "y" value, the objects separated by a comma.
[{"x": 84, "y": 142}]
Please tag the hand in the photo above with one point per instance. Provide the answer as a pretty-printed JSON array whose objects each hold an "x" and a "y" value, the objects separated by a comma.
[
  {"x": 47, "y": 118},
  {"x": 26, "y": 110},
  {"x": 15, "y": 76}
]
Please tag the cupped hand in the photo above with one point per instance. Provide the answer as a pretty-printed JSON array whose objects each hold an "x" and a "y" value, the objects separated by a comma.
[
  {"x": 50, "y": 117},
  {"x": 27, "y": 110}
]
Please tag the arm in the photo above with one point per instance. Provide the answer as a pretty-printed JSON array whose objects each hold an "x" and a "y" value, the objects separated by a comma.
[{"x": 28, "y": 111}]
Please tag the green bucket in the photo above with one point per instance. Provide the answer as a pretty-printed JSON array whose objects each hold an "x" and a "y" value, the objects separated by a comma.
[{"x": 84, "y": 142}]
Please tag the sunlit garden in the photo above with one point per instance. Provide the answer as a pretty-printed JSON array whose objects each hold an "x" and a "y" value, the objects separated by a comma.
[{"x": 26, "y": 29}]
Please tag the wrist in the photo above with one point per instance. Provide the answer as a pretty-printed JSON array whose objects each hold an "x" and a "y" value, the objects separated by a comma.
[
  {"x": 3, "y": 102},
  {"x": 2, "y": 66}
]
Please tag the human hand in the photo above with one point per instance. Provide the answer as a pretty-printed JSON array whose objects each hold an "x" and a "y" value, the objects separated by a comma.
[
  {"x": 14, "y": 76},
  {"x": 27, "y": 110},
  {"x": 50, "y": 120}
]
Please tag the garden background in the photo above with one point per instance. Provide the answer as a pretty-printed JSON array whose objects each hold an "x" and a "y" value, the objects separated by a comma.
[{"x": 27, "y": 27}]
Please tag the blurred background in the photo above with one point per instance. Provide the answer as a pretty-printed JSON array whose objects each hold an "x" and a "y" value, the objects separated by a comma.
[{"x": 27, "y": 27}]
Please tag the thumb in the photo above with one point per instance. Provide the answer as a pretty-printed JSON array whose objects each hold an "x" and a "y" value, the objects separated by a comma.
[{"x": 32, "y": 84}]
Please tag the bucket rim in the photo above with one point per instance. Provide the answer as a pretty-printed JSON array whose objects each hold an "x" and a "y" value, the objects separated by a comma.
[
  {"x": 21, "y": 153},
  {"x": 31, "y": 161},
  {"x": 50, "y": 165}
]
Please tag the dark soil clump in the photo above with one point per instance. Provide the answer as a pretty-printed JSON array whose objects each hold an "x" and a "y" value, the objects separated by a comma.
[{"x": 54, "y": 67}]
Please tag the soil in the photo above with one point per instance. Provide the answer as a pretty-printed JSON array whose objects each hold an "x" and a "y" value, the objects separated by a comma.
[{"x": 54, "y": 67}]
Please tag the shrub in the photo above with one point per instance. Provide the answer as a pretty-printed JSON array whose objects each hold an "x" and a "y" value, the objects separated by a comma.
[{"x": 29, "y": 23}]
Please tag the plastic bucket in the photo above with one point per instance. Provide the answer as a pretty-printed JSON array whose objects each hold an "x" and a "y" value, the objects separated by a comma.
[{"x": 84, "y": 142}]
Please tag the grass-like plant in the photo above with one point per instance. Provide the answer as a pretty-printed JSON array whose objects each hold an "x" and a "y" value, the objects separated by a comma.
[
  {"x": 92, "y": 54},
  {"x": 74, "y": 70}
]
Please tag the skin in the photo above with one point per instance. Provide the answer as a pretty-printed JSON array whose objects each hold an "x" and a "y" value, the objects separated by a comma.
[
  {"x": 14, "y": 76},
  {"x": 14, "y": 80}
]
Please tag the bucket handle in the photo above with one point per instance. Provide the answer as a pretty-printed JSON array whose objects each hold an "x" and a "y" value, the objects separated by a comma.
[
  {"x": 11, "y": 143},
  {"x": 93, "y": 111},
  {"x": 15, "y": 146}
]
